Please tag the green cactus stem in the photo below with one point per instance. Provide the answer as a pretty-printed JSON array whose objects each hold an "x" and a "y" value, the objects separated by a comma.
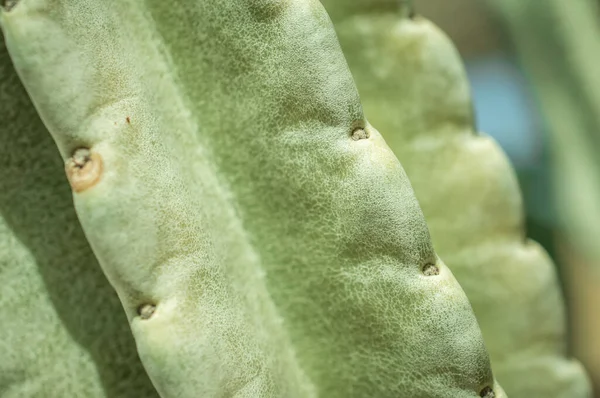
[
  {"x": 262, "y": 237},
  {"x": 62, "y": 330}
]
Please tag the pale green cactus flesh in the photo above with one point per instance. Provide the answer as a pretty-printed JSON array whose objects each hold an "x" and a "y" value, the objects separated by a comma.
[
  {"x": 413, "y": 86},
  {"x": 62, "y": 330},
  {"x": 262, "y": 237}
]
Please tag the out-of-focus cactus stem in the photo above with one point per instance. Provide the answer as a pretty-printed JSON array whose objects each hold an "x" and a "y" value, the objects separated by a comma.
[
  {"x": 558, "y": 45},
  {"x": 414, "y": 87}
]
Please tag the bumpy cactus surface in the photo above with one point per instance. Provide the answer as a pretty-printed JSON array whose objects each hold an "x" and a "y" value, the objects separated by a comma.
[
  {"x": 62, "y": 330},
  {"x": 413, "y": 86},
  {"x": 262, "y": 237}
]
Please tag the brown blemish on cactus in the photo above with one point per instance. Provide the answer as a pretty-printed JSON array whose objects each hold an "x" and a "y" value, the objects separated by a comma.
[
  {"x": 145, "y": 311},
  {"x": 8, "y": 5},
  {"x": 83, "y": 169},
  {"x": 430, "y": 269},
  {"x": 360, "y": 134},
  {"x": 128, "y": 120},
  {"x": 487, "y": 393}
]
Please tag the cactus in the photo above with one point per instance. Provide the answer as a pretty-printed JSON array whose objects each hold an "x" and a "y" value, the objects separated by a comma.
[
  {"x": 262, "y": 238},
  {"x": 413, "y": 86},
  {"x": 63, "y": 330}
]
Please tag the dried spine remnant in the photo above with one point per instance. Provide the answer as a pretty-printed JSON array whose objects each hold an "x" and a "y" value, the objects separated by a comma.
[
  {"x": 431, "y": 269},
  {"x": 487, "y": 393},
  {"x": 145, "y": 311},
  {"x": 83, "y": 169},
  {"x": 360, "y": 134},
  {"x": 8, "y": 5}
]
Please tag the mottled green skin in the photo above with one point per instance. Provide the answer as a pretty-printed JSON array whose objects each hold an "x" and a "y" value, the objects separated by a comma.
[
  {"x": 413, "y": 85},
  {"x": 284, "y": 257},
  {"x": 63, "y": 332}
]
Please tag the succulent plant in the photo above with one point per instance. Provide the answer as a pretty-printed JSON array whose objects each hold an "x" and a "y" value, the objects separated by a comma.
[
  {"x": 263, "y": 239},
  {"x": 413, "y": 86}
]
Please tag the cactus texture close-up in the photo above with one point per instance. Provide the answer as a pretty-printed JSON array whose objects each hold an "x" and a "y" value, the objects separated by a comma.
[
  {"x": 261, "y": 236},
  {"x": 238, "y": 226}
]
